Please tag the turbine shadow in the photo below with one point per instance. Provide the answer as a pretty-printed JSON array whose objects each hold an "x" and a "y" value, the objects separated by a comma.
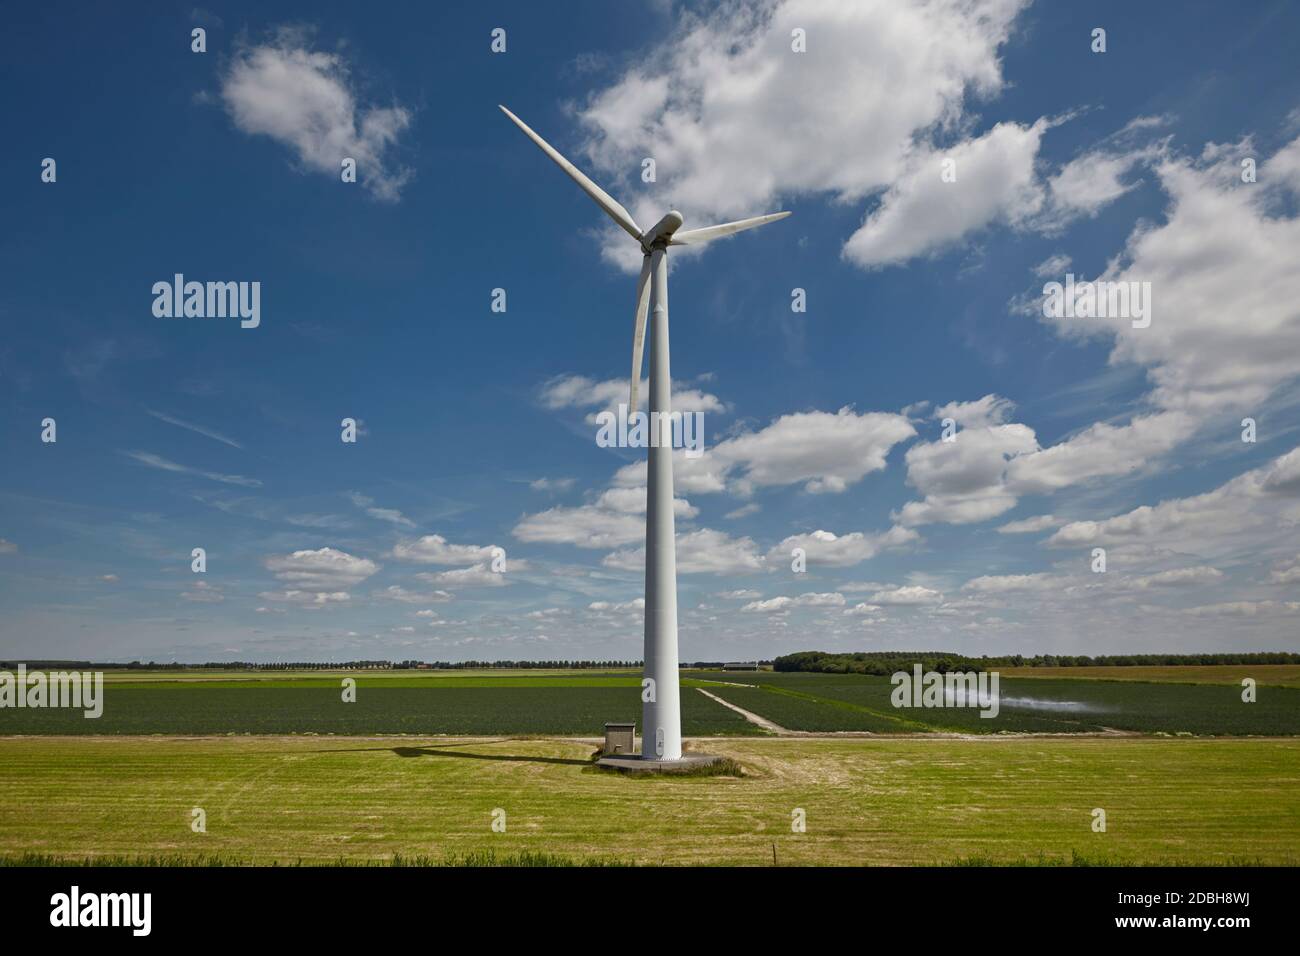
[{"x": 508, "y": 758}]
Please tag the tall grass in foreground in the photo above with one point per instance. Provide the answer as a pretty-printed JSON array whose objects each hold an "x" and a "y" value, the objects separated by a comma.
[{"x": 474, "y": 859}]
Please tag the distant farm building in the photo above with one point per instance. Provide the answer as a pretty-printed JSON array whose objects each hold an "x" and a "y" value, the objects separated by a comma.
[{"x": 741, "y": 666}]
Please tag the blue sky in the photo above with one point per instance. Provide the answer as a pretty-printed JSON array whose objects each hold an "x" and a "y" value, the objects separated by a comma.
[{"x": 923, "y": 302}]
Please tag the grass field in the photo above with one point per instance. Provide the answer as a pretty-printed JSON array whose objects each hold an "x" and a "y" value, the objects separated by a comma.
[{"x": 867, "y": 801}]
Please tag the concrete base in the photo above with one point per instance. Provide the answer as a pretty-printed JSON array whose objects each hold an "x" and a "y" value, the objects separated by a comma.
[{"x": 634, "y": 763}]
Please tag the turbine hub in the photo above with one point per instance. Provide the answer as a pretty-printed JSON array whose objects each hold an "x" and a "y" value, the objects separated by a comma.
[{"x": 661, "y": 232}]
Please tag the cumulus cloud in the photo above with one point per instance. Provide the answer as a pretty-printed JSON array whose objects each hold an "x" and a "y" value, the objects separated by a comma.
[
  {"x": 912, "y": 594},
  {"x": 1001, "y": 583},
  {"x": 476, "y": 575},
  {"x": 395, "y": 592},
  {"x": 435, "y": 549},
  {"x": 305, "y": 99},
  {"x": 322, "y": 570},
  {"x": 779, "y": 605},
  {"x": 825, "y": 452},
  {"x": 964, "y": 480},
  {"x": 1224, "y": 249},
  {"x": 1031, "y": 525},
  {"x": 614, "y": 519},
  {"x": 736, "y": 121},
  {"x": 309, "y": 598},
  {"x": 201, "y": 593},
  {"x": 827, "y": 549},
  {"x": 578, "y": 391},
  {"x": 995, "y": 182},
  {"x": 1248, "y": 517},
  {"x": 699, "y": 552}
]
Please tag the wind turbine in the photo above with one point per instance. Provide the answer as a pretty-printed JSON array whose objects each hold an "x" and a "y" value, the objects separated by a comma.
[{"x": 661, "y": 717}]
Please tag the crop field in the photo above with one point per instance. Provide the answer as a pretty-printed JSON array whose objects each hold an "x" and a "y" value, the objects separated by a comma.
[
  {"x": 477, "y": 704},
  {"x": 851, "y": 702},
  {"x": 867, "y": 801},
  {"x": 1279, "y": 675},
  {"x": 568, "y": 703}
]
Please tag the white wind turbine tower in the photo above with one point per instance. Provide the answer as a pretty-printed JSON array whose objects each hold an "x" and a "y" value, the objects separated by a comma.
[{"x": 661, "y": 717}]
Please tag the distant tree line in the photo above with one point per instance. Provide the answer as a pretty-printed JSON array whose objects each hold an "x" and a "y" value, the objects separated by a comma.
[{"x": 888, "y": 662}]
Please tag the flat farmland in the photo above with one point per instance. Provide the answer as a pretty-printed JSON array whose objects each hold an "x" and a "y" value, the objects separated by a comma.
[
  {"x": 477, "y": 704},
  {"x": 853, "y": 702},
  {"x": 867, "y": 801}
]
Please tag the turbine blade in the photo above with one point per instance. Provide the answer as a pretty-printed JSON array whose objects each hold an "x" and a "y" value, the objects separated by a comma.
[
  {"x": 603, "y": 199},
  {"x": 693, "y": 237},
  {"x": 638, "y": 330}
]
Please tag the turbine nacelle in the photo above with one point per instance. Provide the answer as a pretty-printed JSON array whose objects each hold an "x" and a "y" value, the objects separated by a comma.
[{"x": 661, "y": 232}]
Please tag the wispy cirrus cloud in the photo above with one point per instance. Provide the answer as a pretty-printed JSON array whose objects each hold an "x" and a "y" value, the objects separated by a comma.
[{"x": 151, "y": 460}]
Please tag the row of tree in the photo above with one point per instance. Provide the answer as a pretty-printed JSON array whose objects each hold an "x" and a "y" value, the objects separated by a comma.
[{"x": 888, "y": 662}]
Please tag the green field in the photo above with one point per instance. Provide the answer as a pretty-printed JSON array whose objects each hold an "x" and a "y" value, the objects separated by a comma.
[
  {"x": 579, "y": 703},
  {"x": 867, "y": 801},
  {"x": 466, "y": 705},
  {"x": 855, "y": 702}
]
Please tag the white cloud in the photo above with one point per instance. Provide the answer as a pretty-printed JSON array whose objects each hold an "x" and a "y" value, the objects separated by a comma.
[
  {"x": 823, "y": 451},
  {"x": 737, "y": 121},
  {"x": 395, "y": 592},
  {"x": 1249, "y": 517},
  {"x": 965, "y": 480},
  {"x": 995, "y": 182},
  {"x": 477, "y": 575},
  {"x": 1198, "y": 576},
  {"x": 197, "y": 429},
  {"x": 912, "y": 594},
  {"x": 201, "y": 593},
  {"x": 8, "y": 547},
  {"x": 827, "y": 549},
  {"x": 305, "y": 100},
  {"x": 1031, "y": 525},
  {"x": 1245, "y": 609},
  {"x": 700, "y": 552},
  {"x": 1053, "y": 267},
  {"x": 322, "y": 570},
  {"x": 578, "y": 391},
  {"x": 1224, "y": 249},
  {"x": 780, "y": 605},
  {"x": 164, "y": 464},
  {"x": 826, "y": 452},
  {"x": 435, "y": 549},
  {"x": 312, "y": 598},
  {"x": 585, "y": 526},
  {"x": 391, "y": 515},
  {"x": 553, "y": 485},
  {"x": 1001, "y": 583}
]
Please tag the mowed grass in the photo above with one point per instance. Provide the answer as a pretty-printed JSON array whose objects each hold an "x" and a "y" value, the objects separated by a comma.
[
  {"x": 867, "y": 801},
  {"x": 470, "y": 705},
  {"x": 854, "y": 702}
]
